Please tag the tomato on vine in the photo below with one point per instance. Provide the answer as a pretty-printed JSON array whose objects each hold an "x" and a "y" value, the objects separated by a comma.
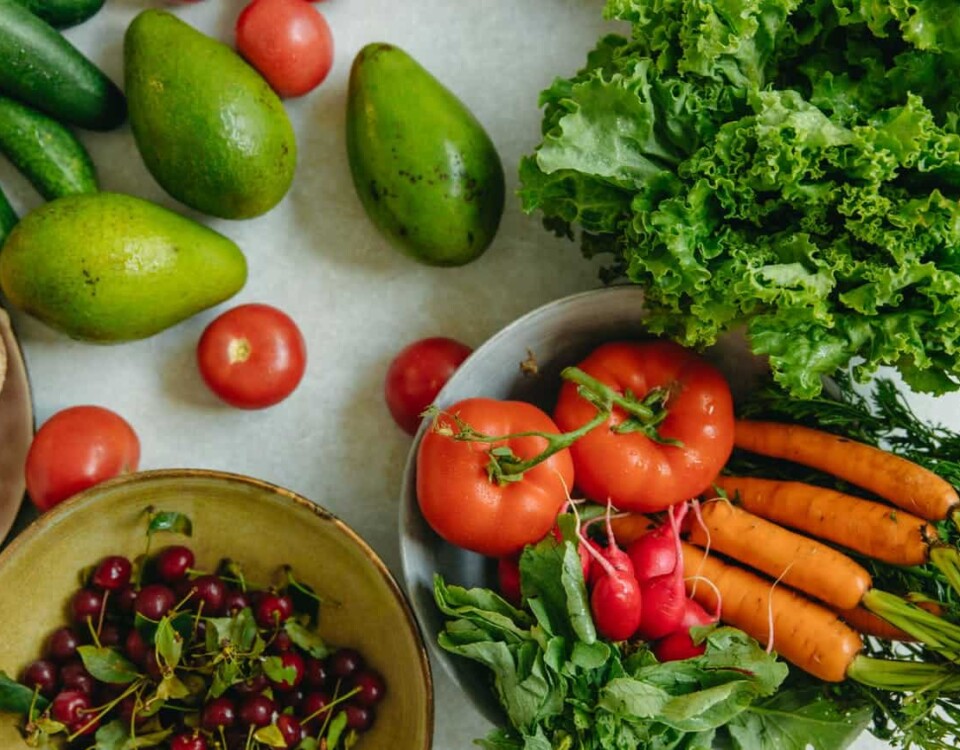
[
  {"x": 493, "y": 475},
  {"x": 670, "y": 425}
]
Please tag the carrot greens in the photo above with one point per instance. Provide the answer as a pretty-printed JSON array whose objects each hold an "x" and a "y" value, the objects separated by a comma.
[{"x": 927, "y": 715}]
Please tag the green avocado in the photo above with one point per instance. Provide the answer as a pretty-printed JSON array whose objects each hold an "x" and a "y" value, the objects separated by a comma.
[
  {"x": 209, "y": 128},
  {"x": 108, "y": 267},
  {"x": 424, "y": 168}
]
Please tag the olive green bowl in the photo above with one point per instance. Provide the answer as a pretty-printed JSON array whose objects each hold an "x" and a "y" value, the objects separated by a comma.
[{"x": 255, "y": 523}]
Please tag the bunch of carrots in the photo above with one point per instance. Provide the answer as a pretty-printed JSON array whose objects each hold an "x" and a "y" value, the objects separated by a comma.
[{"x": 776, "y": 557}]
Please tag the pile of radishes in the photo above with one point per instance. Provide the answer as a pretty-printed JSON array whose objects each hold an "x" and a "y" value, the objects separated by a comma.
[{"x": 635, "y": 593}]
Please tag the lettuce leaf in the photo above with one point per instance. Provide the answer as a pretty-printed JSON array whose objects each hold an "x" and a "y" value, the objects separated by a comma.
[{"x": 792, "y": 166}]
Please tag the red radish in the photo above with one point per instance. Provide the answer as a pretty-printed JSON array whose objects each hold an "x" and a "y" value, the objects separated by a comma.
[
  {"x": 615, "y": 598},
  {"x": 594, "y": 572},
  {"x": 678, "y": 645},
  {"x": 654, "y": 554},
  {"x": 611, "y": 553},
  {"x": 657, "y": 553},
  {"x": 615, "y": 603},
  {"x": 508, "y": 578},
  {"x": 664, "y": 600},
  {"x": 664, "y": 596}
]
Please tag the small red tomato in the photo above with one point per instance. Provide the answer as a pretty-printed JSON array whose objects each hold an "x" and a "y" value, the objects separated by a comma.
[
  {"x": 417, "y": 374},
  {"x": 288, "y": 42},
  {"x": 75, "y": 449},
  {"x": 252, "y": 356}
]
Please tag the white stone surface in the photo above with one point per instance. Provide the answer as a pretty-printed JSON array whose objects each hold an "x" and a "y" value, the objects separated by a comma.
[{"x": 318, "y": 257}]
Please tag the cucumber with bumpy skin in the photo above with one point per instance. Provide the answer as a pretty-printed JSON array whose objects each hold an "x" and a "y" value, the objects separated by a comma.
[
  {"x": 63, "y": 13},
  {"x": 46, "y": 152},
  {"x": 8, "y": 217},
  {"x": 39, "y": 67}
]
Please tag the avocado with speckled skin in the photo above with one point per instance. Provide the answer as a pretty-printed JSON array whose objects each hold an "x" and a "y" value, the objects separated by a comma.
[
  {"x": 209, "y": 128},
  {"x": 424, "y": 168},
  {"x": 108, "y": 267}
]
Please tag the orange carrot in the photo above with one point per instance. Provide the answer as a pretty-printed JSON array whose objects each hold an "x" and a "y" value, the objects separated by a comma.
[
  {"x": 630, "y": 527},
  {"x": 866, "y": 622},
  {"x": 796, "y": 560},
  {"x": 873, "y": 529},
  {"x": 897, "y": 480},
  {"x": 804, "y": 633}
]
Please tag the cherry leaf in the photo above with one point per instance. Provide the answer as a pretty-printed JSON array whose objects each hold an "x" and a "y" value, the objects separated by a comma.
[
  {"x": 107, "y": 665},
  {"x": 17, "y": 698}
]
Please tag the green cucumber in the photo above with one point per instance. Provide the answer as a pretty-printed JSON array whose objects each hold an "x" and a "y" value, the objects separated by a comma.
[
  {"x": 63, "y": 13},
  {"x": 40, "y": 67},
  {"x": 8, "y": 217},
  {"x": 47, "y": 153}
]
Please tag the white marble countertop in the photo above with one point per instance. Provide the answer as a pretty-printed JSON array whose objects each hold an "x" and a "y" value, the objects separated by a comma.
[{"x": 318, "y": 257}]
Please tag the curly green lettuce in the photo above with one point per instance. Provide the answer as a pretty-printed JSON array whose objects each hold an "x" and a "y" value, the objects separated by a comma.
[{"x": 791, "y": 166}]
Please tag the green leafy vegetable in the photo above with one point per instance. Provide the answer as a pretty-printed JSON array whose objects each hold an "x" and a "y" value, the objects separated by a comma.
[
  {"x": 561, "y": 687},
  {"x": 791, "y": 166}
]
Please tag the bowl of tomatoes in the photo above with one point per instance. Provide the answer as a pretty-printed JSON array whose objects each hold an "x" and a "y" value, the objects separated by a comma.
[
  {"x": 522, "y": 364},
  {"x": 195, "y": 609}
]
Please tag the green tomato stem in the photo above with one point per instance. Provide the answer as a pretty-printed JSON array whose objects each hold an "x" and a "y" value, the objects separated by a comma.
[
  {"x": 505, "y": 466},
  {"x": 645, "y": 414}
]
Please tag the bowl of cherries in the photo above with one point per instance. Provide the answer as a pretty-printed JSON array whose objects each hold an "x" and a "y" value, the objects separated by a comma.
[{"x": 194, "y": 610}]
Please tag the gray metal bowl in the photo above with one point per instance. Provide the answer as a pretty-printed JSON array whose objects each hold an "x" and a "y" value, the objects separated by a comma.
[{"x": 556, "y": 335}]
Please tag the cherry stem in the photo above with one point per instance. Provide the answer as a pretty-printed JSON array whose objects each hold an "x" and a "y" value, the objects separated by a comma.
[
  {"x": 646, "y": 414},
  {"x": 101, "y": 711},
  {"x": 335, "y": 702}
]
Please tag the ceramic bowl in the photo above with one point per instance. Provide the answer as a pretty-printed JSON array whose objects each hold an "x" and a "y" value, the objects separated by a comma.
[
  {"x": 256, "y": 523},
  {"x": 556, "y": 335}
]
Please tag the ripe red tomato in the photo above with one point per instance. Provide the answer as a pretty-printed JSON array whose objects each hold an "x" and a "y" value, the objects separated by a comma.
[
  {"x": 288, "y": 42},
  {"x": 468, "y": 508},
  {"x": 632, "y": 470},
  {"x": 75, "y": 449},
  {"x": 252, "y": 356},
  {"x": 417, "y": 374}
]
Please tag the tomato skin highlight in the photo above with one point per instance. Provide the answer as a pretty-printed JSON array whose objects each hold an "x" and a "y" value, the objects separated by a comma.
[
  {"x": 416, "y": 375},
  {"x": 252, "y": 356},
  {"x": 75, "y": 449},
  {"x": 289, "y": 43},
  {"x": 470, "y": 510},
  {"x": 631, "y": 470}
]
